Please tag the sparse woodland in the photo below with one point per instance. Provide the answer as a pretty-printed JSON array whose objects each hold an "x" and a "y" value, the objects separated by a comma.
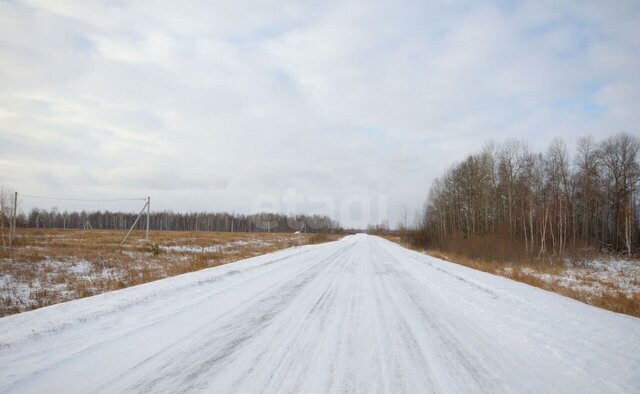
[{"x": 509, "y": 203}]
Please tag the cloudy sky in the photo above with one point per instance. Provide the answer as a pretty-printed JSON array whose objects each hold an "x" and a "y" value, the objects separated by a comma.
[{"x": 346, "y": 108}]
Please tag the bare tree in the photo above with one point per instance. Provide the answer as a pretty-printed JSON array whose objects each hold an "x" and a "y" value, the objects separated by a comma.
[
  {"x": 588, "y": 185},
  {"x": 6, "y": 214},
  {"x": 540, "y": 201},
  {"x": 621, "y": 172},
  {"x": 558, "y": 183},
  {"x": 512, "y": 161}
]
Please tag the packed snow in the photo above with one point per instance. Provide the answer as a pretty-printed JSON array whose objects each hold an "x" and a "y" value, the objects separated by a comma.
[{"x": 358, "y": 315}]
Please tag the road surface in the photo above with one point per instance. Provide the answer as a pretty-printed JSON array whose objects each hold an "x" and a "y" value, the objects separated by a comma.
[{"x": 358, "y": 315}]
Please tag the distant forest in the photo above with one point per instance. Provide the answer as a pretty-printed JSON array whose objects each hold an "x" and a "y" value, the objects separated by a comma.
[
  {"x": 167, "y": 220},
  {"x": 507, "y": 202}
]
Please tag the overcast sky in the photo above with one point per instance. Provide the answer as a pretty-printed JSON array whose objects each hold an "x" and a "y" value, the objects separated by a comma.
[{"x": 239, "y": 106}]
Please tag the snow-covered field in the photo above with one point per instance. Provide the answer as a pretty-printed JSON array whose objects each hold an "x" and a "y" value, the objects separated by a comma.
[
  {"x": 228, "y": 246},
  {"x": 588, "y": 282},
  {"x": 358, "y": 315},
  {"x": 598, "y": 276},
  {"x": 53, "y": 266}
]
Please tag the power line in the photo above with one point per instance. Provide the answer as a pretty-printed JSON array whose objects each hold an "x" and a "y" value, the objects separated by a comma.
[{"x": 81, "y": 199}]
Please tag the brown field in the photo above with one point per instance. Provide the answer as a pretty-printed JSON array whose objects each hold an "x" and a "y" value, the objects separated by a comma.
[
  {"x": 50, "y": 266},
  {"x": 605, "y": 282}
]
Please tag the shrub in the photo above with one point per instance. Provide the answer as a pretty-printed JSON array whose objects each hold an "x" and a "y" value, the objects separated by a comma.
[{"x": 155, "y": 249}]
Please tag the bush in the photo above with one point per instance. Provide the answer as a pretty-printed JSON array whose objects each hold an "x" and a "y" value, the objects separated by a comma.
[{"x": 155, "y": 249}]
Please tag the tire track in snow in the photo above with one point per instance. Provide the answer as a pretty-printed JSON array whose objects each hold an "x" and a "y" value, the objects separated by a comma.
[
  {"x": 228, "y": 338},
  {"x": 465, "y": 369}
]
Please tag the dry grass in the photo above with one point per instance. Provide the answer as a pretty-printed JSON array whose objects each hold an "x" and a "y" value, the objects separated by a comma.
[
  {"x": 319, "y": 238},
  {"x": 50, "y": 266},
  {"x": 552, "y": 275}
]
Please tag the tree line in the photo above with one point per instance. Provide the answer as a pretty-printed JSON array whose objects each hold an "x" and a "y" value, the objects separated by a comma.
[
  {"x": 173, "y": 221},
  {"x": 540, "y": 203}
]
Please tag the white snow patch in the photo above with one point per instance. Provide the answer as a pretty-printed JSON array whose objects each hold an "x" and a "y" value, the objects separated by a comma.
[
  {"x": 595, "y": 277},
  {"x": 191, "y": 248}
]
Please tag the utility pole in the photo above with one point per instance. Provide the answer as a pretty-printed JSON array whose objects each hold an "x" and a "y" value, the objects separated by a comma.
[
  {"x": 13, "y": 220},
  {"x": 148, "y": 208}
]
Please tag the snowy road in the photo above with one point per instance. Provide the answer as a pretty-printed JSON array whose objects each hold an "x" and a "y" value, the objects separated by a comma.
[{"x": 358, "y": 315}]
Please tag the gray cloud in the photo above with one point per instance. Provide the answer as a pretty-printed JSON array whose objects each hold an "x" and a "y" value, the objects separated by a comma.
[{"x": 206, "y": 106}]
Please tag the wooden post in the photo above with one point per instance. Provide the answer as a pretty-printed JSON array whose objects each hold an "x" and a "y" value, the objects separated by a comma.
[
  {"x": 148, "y": 208},
  {"x": 135, "y": 222},
  {"x": 13, "y": 220}
]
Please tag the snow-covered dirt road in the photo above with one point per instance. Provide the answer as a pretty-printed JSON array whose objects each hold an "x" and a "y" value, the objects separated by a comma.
[{"x": 358, "y": 315}]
